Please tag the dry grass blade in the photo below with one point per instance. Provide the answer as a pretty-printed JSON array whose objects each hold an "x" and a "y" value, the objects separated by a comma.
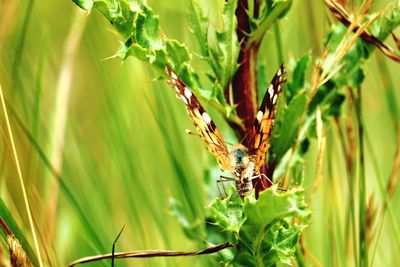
[
  {"x": 61, "y": 113},
  {"x": 152, "y": 253},
  {"x": 321, "y": 152},
  {"x": 18, "y": 256},
  {"x": 393, "y": 180},
  {"x": 325, "y": 70},
  {"x": 3, "y": 260},
  {"x": 20, "y": 178},
  {"x": 346, "y": 19}
]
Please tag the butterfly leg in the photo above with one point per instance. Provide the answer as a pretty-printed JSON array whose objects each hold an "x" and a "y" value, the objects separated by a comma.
[
  {"x": 266, "y": 177},
  {"x": 221, "y": 181}
]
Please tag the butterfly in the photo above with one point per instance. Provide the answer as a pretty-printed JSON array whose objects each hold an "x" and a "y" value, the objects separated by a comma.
[{"x": 244, "y": 163}]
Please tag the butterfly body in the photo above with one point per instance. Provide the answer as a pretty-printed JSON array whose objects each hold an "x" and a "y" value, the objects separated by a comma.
[
  {"x": 244, "y": 163},
  {"x": 242, "y": 168}
]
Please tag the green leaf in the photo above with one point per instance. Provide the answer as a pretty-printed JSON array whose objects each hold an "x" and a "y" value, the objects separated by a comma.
[
  {"x": 224, "y": 53},
  {"x": 320, "y": 95},
  {"x": 335, "y": 104},
  {"x": 84, "y": 4},
  {"x": 199, "y": 24},
  {"x": 178, "y": 55},
  {"x": 297, "y": 82},
  {"x": 262, "y": 82},
  {"x": 385, "y": 24},
  {"x": 272, "y": 227},
  {"x": 286, "y": 129},
  {"x": 280, "y": 242},
  {"x": 147, "y": 32},
  {"x": 121, "y": 15},
  {"x": 328, "y": 100},
  {"x": 228, "y": 213},
  {"x": 269, "y": 15}
]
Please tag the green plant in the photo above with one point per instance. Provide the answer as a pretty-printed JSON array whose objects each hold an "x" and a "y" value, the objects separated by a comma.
[{"x": 324, "y": 93}]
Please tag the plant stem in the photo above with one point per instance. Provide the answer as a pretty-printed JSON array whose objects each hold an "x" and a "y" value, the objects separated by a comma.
[
  {"x": 278, "y": 43},
  {"x": 20, "y": 178},
  {"x": 244, "y": 82},
  {"x": 363, "y": 247}
]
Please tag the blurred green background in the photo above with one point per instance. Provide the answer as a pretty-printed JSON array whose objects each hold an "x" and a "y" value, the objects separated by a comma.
[{"x": 117, "y": 137}]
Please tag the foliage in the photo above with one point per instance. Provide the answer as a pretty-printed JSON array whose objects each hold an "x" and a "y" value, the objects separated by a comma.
[
  {"x": 321, "y": 102},
  {"x": 267, "y": 229}
]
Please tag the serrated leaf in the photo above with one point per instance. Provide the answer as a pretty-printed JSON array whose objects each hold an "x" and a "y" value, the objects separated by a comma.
[
  {"x": 281, "y": 244},
  {"x": 224, "y": 53},
  {"x": 272, "y": 205},
  {"x": 178, "y": 54},
  {"x": 387, "y": 23},
  {"x": 120, "y": 13},
  {"x": 199, "y": 24},
  {"x": 269, "y": 226},
  {"x": 139, "y": 26},
  {"x": 147, "y": 33},
  {"x": 228, "y": 213}
]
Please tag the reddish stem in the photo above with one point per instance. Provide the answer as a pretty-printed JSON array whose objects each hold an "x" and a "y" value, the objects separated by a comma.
[{"x": 244, "y": 82}]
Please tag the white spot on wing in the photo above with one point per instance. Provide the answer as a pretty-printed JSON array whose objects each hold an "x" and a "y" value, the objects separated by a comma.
[
  {"x": 274, "y": 100},
  {"x": 271, "y": 90},
  {"x": 188, "y": 94},
  {"x": 173, "y": 75},
  {"x": 206, "y": 117},
  {"x": 184, "y": 99},
  {"x": 279, "y": 73},
  {"x": 259, "y": 115}
]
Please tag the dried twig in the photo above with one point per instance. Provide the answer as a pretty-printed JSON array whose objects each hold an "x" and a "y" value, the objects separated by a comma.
[
  {"x": 324, "y": 69},
  {"x": 152, "y": 253},
  {"x": 346, "y": 19}
]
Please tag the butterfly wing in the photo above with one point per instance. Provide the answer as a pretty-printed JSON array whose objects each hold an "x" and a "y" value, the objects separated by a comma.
[
  {"x": 202, "y": 121},
  {"x": 258, "y": 136}
]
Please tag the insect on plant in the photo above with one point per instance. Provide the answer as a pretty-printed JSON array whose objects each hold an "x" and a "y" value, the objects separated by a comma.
[{"x": 244, "y": 163}]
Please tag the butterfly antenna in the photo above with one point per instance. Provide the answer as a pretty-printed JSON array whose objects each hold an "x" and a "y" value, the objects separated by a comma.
[
  {"x": 245, "y": 136},
  {"x": 190, "y": 132}
]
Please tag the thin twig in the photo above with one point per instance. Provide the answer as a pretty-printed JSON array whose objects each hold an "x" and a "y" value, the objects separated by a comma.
[{"x": 152, "y": 254}]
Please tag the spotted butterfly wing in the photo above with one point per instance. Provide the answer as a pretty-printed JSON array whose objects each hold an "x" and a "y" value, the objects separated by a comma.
[
  {"x": 202, "y": 121},
  {"x": 258, "y": 136}
]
